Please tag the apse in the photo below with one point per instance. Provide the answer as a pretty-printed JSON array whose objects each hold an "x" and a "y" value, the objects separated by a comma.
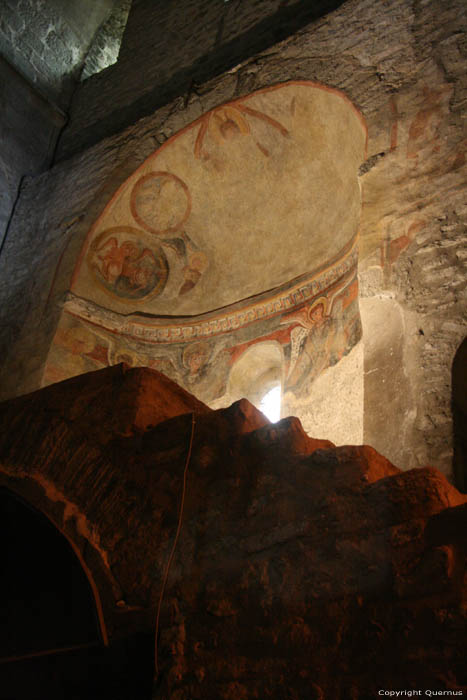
[{"x": 241, "y": 230}]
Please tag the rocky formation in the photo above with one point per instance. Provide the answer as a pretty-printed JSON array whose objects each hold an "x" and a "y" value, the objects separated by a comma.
[{"x": 293, "y": 568}]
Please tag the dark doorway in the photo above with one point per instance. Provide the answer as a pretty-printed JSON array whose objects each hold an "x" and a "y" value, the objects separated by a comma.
[
  {"x": 46, "y": 599},
  {"x": 50, "y": 644}
]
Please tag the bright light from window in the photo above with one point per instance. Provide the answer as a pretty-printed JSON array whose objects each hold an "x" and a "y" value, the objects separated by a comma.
[{"x": 270, "y": 404}]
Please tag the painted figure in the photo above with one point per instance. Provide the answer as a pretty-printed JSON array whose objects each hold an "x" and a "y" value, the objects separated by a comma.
[
  {"x": 125, "y": 260},
  {"x": 127, "y": 268}
]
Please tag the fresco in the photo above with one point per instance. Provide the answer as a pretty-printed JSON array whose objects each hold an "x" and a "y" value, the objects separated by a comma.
[
  {"x": 241, "y": 229},
  {"x": 230, "y": 122},
  {"x": 76, "y": 349},
  {"x": 269, "y": 180},
  {"x": 326, "y": 330},
  {"x": 160, "y": 202},
  {"x": 126, "y": 265},
  {"x": 268, "y": 305},
  {"x": 414, "y": 147},
  {"x": 314, "y": 319}
]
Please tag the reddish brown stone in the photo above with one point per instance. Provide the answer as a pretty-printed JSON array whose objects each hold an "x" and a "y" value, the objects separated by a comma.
[{"x": 301, "y": 571}]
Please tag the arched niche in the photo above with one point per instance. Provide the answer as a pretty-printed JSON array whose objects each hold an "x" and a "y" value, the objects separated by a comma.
[
  {"x": 241, "y": 228},
  {"x": 255, "y": 373},
  {"x": 459, "y": 415}
]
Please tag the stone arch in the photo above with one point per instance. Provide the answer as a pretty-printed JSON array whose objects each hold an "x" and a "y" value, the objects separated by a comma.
[
  {"x": 70, "y": 477},
  {"x": 55, "y": 455},
  {"x": 121, "y": 654}
]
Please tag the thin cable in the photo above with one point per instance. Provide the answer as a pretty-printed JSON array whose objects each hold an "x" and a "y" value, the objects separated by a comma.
[{"x": 179, "y": 527}]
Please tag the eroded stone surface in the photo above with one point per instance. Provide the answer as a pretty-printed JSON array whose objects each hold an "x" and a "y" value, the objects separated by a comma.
[
  {"x": 301, "y": 569},
  {"x": 47, "y": 42}
]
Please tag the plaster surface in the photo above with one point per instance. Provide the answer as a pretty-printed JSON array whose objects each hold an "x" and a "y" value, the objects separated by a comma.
[
  {"x": 332, "y": 406},
  {"x": 390, "y": 402},
  {"x": 252, "y": 195}
]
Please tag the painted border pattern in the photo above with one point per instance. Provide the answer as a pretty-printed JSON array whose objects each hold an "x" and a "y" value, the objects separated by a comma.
[{"x": 160, "y": 329}]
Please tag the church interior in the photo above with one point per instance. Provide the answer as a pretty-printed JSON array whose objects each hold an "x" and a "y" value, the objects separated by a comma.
[{"x": 230, "y": 473}]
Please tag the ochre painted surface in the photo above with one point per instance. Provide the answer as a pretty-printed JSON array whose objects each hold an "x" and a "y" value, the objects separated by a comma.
[
  {"x": 240, "y": 230},
  {"x": 316, "y": 323},
  {"x": 250, "y": 196},
  {"x": 412, "y": 125}
]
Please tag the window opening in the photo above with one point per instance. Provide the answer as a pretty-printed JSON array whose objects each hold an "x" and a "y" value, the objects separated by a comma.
[{"x": 270, "y": 404}]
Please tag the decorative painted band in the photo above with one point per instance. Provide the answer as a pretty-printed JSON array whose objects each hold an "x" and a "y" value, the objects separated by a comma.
[{"x": 159, "y": 329}]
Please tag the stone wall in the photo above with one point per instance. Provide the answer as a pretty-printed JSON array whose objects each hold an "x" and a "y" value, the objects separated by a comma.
[
  {"x": 105, "y": 48},
  {"x": 42, "y": 48},
  {"x": 332, "y": 406},
  {"x": 24, "y": 113},
  {"x": 170, "y": 47},
  {"x": 47, "y": 40},
  {"x": 404, "y": 65}
]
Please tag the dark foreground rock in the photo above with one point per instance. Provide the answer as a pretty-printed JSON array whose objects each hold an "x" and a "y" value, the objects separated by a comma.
[{"x": 301, "y": 570}]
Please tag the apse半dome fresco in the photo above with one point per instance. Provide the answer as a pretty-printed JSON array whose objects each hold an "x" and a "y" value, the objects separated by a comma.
[
  {"x": 269, "y": 180},
  {"x": 240, "y": 230}
]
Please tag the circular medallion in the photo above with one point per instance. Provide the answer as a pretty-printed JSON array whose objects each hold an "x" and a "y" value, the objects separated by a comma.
[
  {"x": 127, "y": 263},
  {"x": 160, "y": 202}
]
